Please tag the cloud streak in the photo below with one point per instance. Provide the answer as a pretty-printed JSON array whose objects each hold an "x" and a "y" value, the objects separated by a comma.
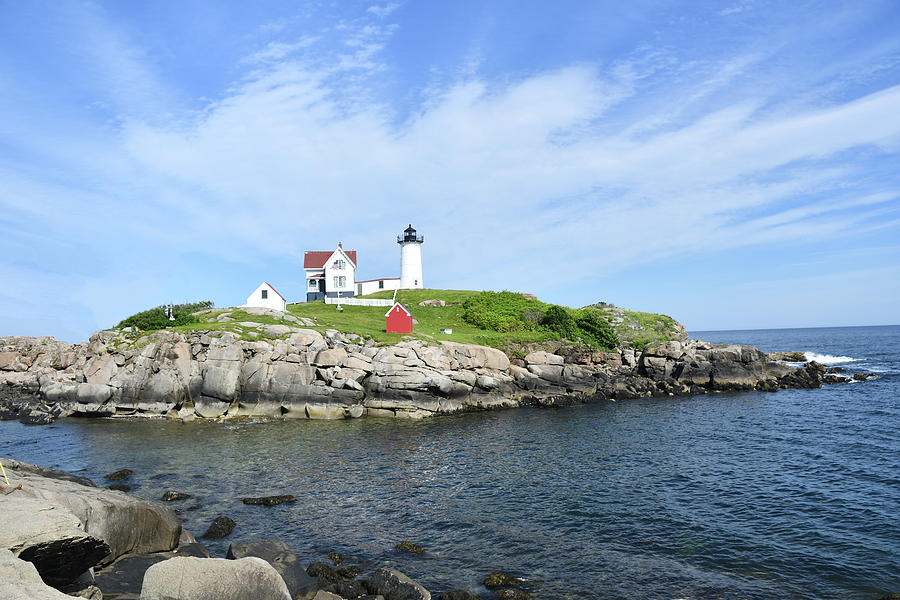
[{"x": 563, "y": 175}]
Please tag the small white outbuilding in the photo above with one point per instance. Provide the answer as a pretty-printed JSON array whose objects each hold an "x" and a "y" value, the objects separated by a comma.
[{"x": 266, "y": 296}]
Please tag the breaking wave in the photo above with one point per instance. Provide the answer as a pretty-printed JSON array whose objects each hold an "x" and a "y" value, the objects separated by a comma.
[{"x": 827, "y": 359}]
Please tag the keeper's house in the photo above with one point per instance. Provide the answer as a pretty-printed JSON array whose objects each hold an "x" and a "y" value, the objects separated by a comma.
[{"x": 330, "y": 273}]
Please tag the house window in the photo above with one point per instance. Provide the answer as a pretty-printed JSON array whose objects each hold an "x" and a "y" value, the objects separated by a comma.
[
  {"x": 380, "y": 285},
  {"x": 340, "y": 282},
  {"x": 265, "y": 294},
  {"x": 312, "y": 284},
  {"x": 339, "y": 265}
]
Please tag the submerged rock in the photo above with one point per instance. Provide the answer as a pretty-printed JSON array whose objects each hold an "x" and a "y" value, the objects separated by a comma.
[
  {"x": 500, "y": 579},
  {"x": 513, "y": 594},
  {"x": 269, "y": 500},
  {"x": 119, "y": 475},
  {"x": 336, "y": 558},
  {"x": 864, "y": 376},
  {"x": 172, "y": 496},
  {"x": 221, "y": 526},
  {"x": 457, "y": 595},
  {"x": 407, "y": 546}
]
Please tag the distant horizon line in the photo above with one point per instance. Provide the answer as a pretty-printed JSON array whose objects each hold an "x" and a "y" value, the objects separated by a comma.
[{"x": 789, "y": 328}]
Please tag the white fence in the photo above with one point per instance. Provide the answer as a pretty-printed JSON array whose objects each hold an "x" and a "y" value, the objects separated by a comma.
[{"x": 360, "y": 301}]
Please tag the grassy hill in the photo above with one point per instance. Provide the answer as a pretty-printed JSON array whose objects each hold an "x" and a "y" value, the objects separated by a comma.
[{"x": 517, "y": 317}]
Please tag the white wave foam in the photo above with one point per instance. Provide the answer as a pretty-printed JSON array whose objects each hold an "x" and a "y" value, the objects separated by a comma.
[
  {"x": 827, "y": 359},
  {"x": 881, "y": 369}
]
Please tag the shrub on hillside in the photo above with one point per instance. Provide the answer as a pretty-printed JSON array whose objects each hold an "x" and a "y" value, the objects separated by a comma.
[
  {"x": 596, "y": 330},
  {"x": 155, "y": 318},
  {"x": 558, "y": 320},
  {"x": 511, "y": 312},
  {"x": 498, "y": 311}
]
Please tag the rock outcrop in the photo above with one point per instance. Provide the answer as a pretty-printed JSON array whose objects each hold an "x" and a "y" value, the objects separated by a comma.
[
  {"x": 189, "y": 578},
  {"x": 63, "y": 527},
  {"x": 125, "y": 524},
  {"x": 284, "y": 560},
  {"x": 334, "y": 376},
  {"x": 19, "y": 580}
]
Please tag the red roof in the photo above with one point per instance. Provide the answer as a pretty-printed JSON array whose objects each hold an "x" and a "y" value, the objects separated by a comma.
[
  {"x": 274, "y": 290},
  {"x": 396, "y": 304},
  {"x": 315, "y": 259}
]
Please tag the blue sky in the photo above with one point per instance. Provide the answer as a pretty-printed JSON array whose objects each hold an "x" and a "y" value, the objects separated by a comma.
[{"x": 732, "y": 164}]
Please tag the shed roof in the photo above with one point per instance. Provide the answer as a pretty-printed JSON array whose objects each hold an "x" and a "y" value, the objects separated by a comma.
[{"x": 396, "y": 304}]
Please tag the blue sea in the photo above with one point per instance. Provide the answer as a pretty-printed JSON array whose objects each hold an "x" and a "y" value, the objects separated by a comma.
[{"x": 794, "y": 494}]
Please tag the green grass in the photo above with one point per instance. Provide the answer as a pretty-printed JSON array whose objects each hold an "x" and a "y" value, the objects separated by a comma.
[
  {"x": 368, "y": 321},
  {"x": 641, "y": 328},
  {"x": 207, "y": 322}
]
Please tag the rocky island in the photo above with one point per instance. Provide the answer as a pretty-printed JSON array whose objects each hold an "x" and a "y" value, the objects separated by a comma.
[
  {"x": 263, "y": 363},
  {"x": 66, "y": 536}
]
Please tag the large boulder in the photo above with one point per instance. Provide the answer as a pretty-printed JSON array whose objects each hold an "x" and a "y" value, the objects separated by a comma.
[
  {"x": 126, "y": 523},
  {"x": 19, "y": 580},
  {"x": 189, "y": 578},
  {"x": 49, "y": 536},
  {"x": 283, "y": 558}
]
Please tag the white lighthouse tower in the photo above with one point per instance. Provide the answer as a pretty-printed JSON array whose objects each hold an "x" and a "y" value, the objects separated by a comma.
[{"x": 410, "y": 259}]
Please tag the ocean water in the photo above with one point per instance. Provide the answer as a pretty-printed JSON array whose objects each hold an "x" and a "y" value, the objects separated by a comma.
[{"x": 794, "y": 494}]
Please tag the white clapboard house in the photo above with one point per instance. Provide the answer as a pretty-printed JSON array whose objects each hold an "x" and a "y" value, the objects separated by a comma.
[
  {"x": 330, "y": 274},
  {"x": 265, "y": 296}
]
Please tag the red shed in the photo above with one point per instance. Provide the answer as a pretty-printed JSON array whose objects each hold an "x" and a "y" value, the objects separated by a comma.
[{"x": 398, "y": 319}]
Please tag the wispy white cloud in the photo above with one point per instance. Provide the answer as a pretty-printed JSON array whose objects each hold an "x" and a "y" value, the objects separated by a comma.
[
  {"x": 383, "y": 10},
  {"x": 583, "y": 169}
]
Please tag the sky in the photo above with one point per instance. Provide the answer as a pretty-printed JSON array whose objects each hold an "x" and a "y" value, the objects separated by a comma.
[{"x": 734, "y": 164}]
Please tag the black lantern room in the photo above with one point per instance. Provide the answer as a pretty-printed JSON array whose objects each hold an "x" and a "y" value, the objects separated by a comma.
[{"x": 409, "y": 235}]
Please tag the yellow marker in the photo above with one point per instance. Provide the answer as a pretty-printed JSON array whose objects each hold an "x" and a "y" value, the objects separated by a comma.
[{"x": 4, "y": 473}]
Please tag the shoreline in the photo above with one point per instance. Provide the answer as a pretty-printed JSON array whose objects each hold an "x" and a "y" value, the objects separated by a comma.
[
  {"x": 304, "y": 374},
  {"x": 69, "y": 536}
]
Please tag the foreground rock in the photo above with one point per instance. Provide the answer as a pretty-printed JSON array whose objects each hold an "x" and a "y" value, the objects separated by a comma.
[
  {"x": 126, "y": 524},
  {"x": 310, "y": 376},
  {"x": 48, "y": 536},
  {"x": 65, "y": 528},
  {"x": 394, "y": 585},
  {"x": 187, "y": 578},
  {"x": 19, "y": 580},
  {"x": 284, "y": 560}
]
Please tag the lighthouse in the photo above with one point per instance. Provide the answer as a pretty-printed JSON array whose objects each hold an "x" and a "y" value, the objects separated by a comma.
[{"x": 410, "y": 259}]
